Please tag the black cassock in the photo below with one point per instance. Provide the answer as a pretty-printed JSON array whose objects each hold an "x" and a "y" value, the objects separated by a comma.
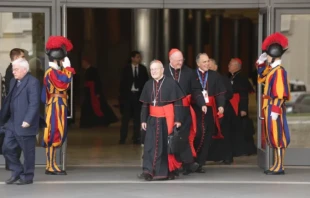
[
  {"x": 210, "y": 81},
  {"x": 221, "y": 149},
  {"x": 244, "y": 131},
  {"x": 167, "y": 93},
  {"x": 95, "y": 110},
  {"x": 191, "y": 87}
]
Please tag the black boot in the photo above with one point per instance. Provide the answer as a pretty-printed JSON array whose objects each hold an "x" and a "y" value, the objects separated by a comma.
[{"x": 190, "y": 168}]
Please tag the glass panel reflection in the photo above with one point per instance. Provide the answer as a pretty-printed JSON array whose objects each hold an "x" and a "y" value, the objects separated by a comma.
[
  {"x": 297, "y": 61},
  {"x": 25, "y": 31}
]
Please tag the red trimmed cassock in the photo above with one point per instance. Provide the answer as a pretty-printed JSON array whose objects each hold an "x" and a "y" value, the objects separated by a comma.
[
  {"x": 95, "y": 109},
  {"x": 186, "y": 79},
  {"x": 208, "y": 124},
  {"x": 242, "y": 133},
  {"x": 222, "y": 149},
  {"x": 162, "y": 107},
  {"x": 276, "y": 93}
]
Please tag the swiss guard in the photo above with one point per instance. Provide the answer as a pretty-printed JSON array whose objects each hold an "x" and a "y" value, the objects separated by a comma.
[
  {"x": 276, "y": 93},
  {"x": 57, "y": 80}
]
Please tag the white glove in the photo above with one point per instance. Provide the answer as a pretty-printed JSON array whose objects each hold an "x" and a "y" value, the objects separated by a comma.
[
  {"x": 66, "y": 63},
  {"x": 262, "y": 58},
  {"x": 25, "y": 125},
  {"x": 274, "y": 116}
]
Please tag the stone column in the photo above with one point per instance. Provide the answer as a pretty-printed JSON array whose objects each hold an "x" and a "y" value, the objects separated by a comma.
[
  {"x": 89, "y": 34},
  {"x": 216, "y": 25},
  {"x": 166, "y": 35},
  {"x": 182, "y": 31},
  {"x": 198, "y": 31},
  {"x": 236, "y": 36},
  {"x": 144, "y": 34},
  {"x": 157, "y": 45}
]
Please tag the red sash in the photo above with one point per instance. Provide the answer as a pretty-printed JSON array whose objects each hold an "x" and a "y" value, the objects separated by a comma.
[
  {"x": 193, "y": 129},
  {"x": 94, "y": 99},
  {"x": 235, "y": 103},
  {"x": 167, "y": 112},
  {"x": 216, "y": 117}
]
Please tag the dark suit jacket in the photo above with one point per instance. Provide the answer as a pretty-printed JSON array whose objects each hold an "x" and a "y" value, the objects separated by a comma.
[
  {"x": 26, "y": 103},
  {"x": 8, "y": 77},
  {"x": 127, "y": 81}
]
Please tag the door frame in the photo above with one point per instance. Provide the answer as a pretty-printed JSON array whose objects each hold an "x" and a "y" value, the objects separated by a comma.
[{"x": 264, "y": 156}]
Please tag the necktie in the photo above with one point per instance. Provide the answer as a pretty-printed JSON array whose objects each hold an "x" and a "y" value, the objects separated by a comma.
[
  {"x": 136, "y": 83},
  {"x": 18, "y": 83}
]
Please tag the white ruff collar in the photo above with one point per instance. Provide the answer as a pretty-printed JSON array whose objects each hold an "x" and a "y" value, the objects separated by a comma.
[
  {"x": 53, "y": 65},
  {"x": 276, "y": 63}
]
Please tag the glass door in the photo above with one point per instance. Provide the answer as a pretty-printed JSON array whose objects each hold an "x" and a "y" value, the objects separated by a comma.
[
  {"x": 295, "y": 24},
  {"x": 28, "y": 29}
]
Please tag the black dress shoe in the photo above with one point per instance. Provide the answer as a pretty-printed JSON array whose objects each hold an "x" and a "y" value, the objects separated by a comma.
[
  {"x": 24, "y": 182},
  {"x": 191, "y": 168},
  {"x": 141, "y": 176},
  {"x": 269, "y": 172},
  {"x": 200, "y": 170},
  {"x": 12, "y": 180},
  {"x": 171, "y": 176},
  {"x": 148, "y": 177},
  {"x": 55, "y": 172},
  {"x": 227, "y": 162},
  {"x": 176, "y": 173}
]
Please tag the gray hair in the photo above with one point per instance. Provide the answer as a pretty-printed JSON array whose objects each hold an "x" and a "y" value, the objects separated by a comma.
[
  {"x": 21, "y": 62},
  {"x": 198, "y": 56}
]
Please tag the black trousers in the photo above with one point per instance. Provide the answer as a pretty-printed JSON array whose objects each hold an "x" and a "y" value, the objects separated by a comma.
[
  {"x": 131, "y": 110},
  {"x": 19, "y": 153}
]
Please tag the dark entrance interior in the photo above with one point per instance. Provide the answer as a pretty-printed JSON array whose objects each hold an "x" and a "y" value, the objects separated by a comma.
[{"x": 106, "y": 37}]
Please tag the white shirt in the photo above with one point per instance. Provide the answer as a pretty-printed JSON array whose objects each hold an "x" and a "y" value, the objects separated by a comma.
[{"x": 201, "y": 70}]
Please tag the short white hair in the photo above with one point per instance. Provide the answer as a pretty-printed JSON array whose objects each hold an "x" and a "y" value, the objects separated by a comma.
[
  {"x": 157, "y": 62},
  {"x": 21, "y": 62}
]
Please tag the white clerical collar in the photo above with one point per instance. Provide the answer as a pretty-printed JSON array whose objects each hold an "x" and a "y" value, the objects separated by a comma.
[
  {"x": 201, "y": 70},
  {"x": 159, "y": 79},
  {"x": 275, "y": 63},
  {"x": 53, "y": 65}
]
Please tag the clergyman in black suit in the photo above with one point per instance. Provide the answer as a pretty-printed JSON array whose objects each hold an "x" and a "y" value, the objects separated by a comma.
[
  {"x": 21, "y": 116},
  {"x": 14, "y": 54},
  {"x": 133, "y": 78}
]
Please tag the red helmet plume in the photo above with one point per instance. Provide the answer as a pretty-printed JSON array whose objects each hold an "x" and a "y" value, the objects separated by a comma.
[
  {"x": 56, "y": 42},
  {"x": 276, "y": 38}
]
